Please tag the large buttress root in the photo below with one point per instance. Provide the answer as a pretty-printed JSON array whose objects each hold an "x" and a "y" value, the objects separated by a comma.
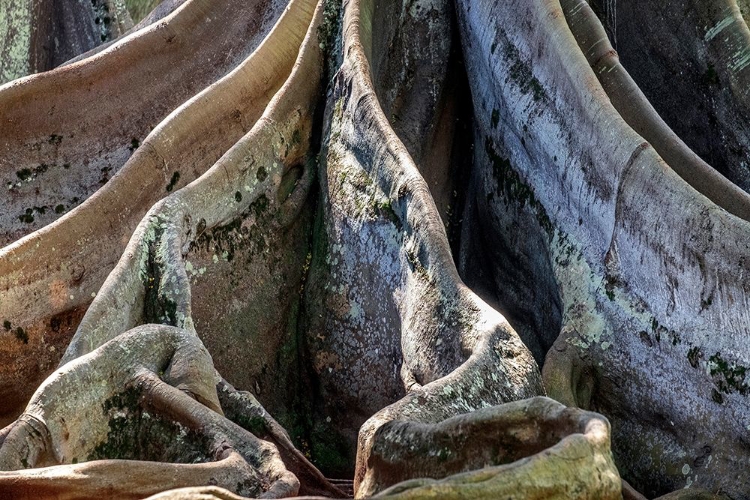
[
  {"x": 152, "y": 280},
  {"x": 66, "y": 132},
  {"x": 536, "y": 448},
  {"x": 78, "y": 251},
  {"x": 388, "y": 312},
  {"x": 531, "y": 449},
  {"x": 653, "y": 299},
  {"x": 391, "y": 288},
  {"x": 638, "y": 112},
  {"x": 152, "y": 275},
  {"x": 122, "y": 410},
  {"x": 405, "y": 360},
  {"x": 692, "y": 61},
  {"x": 414, "y": 76},
  {"x": 134, "y": 7}
]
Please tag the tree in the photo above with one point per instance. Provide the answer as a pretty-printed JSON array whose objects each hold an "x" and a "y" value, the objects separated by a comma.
[{"x": 302, "y": 190}]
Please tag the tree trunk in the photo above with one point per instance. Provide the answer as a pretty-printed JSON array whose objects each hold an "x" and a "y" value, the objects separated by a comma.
[{"x": 397, "y": 228}]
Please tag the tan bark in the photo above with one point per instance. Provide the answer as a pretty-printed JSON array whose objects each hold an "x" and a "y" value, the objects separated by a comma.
[
  {"x": 118, "y": 400},
  {"x": 534, "y": 448},
  {"x": 68, "y": 131},
  {"x": 81, "y": 248}
]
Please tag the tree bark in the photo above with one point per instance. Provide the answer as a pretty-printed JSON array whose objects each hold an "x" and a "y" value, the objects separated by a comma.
[
  {"x": 651, "y": 300},
  {"x": 386, "y": 298},
  {"x": 38, "y": 35}
]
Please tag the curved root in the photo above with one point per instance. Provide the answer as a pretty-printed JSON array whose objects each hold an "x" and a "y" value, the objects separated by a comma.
[
  {"x": 74, "y": 249},
  {"x": 524, "y": 450},
  {"x": 152, "y": 273},
  {"x": 391, "y": 286},
  {"x": 637, "y": 111},
  {"x": 644, "y": 287},
  {"x": 127, "y": 400}
]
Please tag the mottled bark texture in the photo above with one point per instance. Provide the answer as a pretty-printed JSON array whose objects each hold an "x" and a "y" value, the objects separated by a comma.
[
  {"x": 649, "y": 274},
  {"x": 38, "y": 35},
  {"x": 248, "y": 247}
]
